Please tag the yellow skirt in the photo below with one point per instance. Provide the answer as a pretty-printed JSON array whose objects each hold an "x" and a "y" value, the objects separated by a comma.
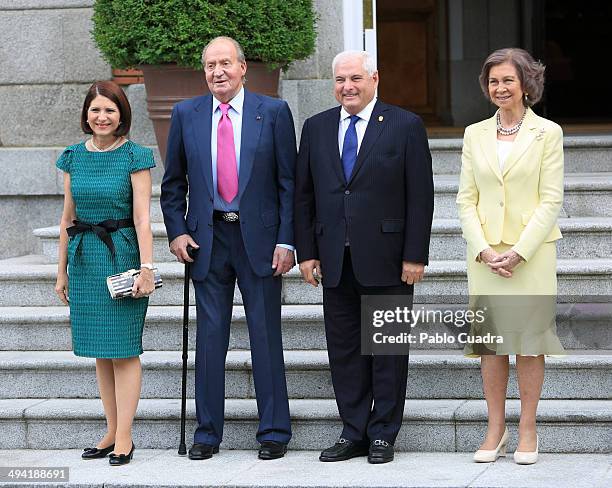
[{"x": 519, "y": 313}]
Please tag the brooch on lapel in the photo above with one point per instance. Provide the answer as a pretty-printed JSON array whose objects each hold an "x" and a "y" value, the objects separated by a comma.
[
  {"x": 380, "y": 118},
  {"x": 540, "y": 134},
  {"x": 258, "y": 117}
]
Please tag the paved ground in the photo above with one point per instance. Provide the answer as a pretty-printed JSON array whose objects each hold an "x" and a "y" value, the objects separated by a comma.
[{"x": 163, "y": 468}]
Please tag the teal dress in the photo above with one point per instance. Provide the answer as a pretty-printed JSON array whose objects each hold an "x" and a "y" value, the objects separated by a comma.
[{"x": 101, "y": 190}]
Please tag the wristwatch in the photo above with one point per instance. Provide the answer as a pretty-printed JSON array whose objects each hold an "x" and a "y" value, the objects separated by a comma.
[{"x": 147, "y": 265}]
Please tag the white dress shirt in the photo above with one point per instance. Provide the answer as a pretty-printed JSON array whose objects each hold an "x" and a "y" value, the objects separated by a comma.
[
  {"x": 235, "y": 115},
  {"x": 503, "y": 151},
  {"x": 360, "y": 125}
]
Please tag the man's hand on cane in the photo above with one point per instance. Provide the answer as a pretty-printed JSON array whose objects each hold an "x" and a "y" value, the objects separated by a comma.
[{"x": 178, "y": 247}]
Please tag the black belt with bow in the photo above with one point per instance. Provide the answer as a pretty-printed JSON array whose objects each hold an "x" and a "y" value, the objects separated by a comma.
[{"x": 101, "y": 229}]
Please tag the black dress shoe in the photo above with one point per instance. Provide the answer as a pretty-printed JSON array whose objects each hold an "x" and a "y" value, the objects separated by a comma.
[
  {"x": 272, "y": 450},
  {"x": 202, "y": 451},
  {"x": 96, "y": 453},
  {"x": 121, "y": 459},
  {"x": 343, "y": 450},
  {"x": 380, "y": 452}
]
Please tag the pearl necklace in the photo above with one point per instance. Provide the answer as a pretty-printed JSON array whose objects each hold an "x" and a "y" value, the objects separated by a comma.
[
  {"x": 109, "y": 148},
  {"x": 512, "y": 130}
]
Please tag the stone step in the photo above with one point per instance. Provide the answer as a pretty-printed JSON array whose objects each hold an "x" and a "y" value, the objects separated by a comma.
[
  {"x": 583, "y": 238},
  {"x": 32, "y": 284},
  {"x": 31, "y": 170},
  {"x": 48, "y": 328},
  {"x": 585, "y": 195},
  {"x": 582, "y": 154},
  {"x": 152, "y": 468},
  {"x": 586, "y": 237},
  {"x": 32, "y": 193},
  {"x": 580, "y": 326},
  {"x": 429, "y": 425},
  {"x": 435, "y": 375}
]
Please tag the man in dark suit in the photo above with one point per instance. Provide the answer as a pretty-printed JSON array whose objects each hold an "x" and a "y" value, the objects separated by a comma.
[
  {"x": 363, "y": 211},
  {"x": 233, "y": 152}
]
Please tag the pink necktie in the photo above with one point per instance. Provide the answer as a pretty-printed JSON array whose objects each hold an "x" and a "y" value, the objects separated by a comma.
[{"x": 227, "y": 172}]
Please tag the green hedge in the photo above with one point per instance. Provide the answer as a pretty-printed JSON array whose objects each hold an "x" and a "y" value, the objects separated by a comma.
[{"x": 133, "y": 32}]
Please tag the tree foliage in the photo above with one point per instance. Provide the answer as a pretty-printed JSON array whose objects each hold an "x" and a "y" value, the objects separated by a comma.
[{"x": 133, "y": 32}]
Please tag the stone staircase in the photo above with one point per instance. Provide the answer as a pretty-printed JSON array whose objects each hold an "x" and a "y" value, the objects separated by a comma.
[{"x": 49, "y": 397}]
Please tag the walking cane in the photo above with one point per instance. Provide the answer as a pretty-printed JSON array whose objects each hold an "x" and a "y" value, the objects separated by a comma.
[{"x": 191, "y": 251}]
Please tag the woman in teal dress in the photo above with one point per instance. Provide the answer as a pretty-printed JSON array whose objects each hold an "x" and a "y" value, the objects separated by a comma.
[{"x": 105, "y": 229}]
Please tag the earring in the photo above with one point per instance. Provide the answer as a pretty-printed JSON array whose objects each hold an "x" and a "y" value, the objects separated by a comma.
[{"x": 526, "y": 96}]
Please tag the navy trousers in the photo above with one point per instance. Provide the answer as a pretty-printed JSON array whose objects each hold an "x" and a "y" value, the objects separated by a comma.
[{"x": 262, "y": 302}]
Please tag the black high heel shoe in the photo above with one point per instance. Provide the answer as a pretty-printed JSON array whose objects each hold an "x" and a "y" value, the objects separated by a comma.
[
  {"x": 96, "y": 453},
  {"x": 121, "y": 459}
]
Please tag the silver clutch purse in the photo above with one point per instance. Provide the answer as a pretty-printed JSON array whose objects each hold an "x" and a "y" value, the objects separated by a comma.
[{"x": 120, "y": 285}]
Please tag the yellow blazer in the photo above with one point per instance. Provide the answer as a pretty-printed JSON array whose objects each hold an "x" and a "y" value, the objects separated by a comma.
[{"x": 519, "y": 206}]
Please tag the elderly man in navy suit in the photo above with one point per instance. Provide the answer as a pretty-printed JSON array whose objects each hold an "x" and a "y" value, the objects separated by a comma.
[
  {"x": 363, "y": 212},
  {"x": 233, "y": 153}
]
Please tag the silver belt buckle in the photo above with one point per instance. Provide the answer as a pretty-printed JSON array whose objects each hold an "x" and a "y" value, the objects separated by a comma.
[{"x": 230, "y": 217}]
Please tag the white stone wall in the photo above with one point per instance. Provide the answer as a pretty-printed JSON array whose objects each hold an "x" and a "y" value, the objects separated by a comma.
[
  {"x": 307, "y": 85},
  {"x": 48, "y": 60}
]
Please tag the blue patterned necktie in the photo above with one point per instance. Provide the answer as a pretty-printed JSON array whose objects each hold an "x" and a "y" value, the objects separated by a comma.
[{"x": 349, "y": 148}]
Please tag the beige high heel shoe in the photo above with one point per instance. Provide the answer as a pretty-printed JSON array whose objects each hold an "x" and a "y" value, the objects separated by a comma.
[
  {"x": 490, "y": 455},
  {"x": 527, "y": 457}
]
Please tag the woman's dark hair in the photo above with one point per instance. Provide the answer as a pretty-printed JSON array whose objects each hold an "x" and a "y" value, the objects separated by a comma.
[{"x": 114, "y": 93}]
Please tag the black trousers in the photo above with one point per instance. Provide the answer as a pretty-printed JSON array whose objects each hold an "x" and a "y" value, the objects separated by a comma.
[{"x": 370, "y": 390}]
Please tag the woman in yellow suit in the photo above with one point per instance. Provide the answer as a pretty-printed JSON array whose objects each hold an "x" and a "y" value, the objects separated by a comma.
[{"x": 510, "y": 195}]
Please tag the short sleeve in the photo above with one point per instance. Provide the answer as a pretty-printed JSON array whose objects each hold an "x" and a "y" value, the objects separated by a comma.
[
  {"x": 141, "y": 158},
  {"x": 65, "y": 160}
]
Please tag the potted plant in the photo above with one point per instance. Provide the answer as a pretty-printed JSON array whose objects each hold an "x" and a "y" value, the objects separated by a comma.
[{"x": 165, "y": 39}]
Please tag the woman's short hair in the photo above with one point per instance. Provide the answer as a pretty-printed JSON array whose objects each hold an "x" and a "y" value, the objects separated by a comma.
[
  {"x": 529, "y": 71},
  {"x": 115, "y": 94}
]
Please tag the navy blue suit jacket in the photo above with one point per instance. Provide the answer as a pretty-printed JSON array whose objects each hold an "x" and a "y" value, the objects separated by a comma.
[
  {"x": 265, "y": 180},
  {"x": 385, "y": 208}
]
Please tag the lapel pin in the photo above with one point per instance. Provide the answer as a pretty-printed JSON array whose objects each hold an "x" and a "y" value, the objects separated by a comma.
[
  {"x": 380, "y": 118},
  {"x": 258, "y": 117}
]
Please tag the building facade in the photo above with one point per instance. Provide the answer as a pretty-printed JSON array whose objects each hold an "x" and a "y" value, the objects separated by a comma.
[{"x": 429, "y": 54}]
